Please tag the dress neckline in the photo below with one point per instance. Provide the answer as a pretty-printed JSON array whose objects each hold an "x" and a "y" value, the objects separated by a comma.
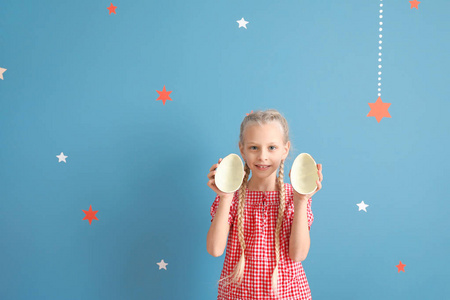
[
  {"x": 266, "y": 191},
  {"x": 263, "y": 191}
]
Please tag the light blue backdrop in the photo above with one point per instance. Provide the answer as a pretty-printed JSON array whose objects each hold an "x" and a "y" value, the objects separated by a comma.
[{"x": 82, "y": 81}]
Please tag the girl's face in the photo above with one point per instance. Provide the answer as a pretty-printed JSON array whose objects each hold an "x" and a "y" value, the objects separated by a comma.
[{"x": 263, "y": 148}]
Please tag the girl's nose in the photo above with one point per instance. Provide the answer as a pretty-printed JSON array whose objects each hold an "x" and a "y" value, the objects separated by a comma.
[{"x": 262, "y": 155}]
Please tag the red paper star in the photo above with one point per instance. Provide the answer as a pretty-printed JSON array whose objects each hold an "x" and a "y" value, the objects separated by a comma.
[
  {"x": 401, "y": 267},
  {"x": 250, "y": 113},
  {"x": 112, "y": 8},
  {"x": 379, "y": 109},
  {"x": 2, "y": 70},
  {"x": 90, "y": 215},
  {"x": 164, "y": 95},
  {"x": 414, "y": 3}
]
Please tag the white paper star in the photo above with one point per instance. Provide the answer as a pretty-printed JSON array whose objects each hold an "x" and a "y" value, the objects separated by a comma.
[
  {"x": 162, "y": 264},
  {"x": 362, "y": 205},
  {"x": 61, "y": 157},
  {"x": 242, "y": 23},
  {"x": 1, "y": 73}
]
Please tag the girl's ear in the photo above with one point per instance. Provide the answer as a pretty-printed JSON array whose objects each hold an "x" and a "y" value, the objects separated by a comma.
[
  {"x": 286, "y": 148},
  {"x": 241, "y": 149}
]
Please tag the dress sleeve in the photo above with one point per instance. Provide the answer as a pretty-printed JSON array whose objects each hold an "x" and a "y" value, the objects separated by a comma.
[
  {"x": 233, "y": 208},
  {"x": 309, "y": 213}
]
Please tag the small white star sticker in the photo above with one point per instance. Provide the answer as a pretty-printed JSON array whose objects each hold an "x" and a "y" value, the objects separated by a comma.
[
  {"x": 61, "y": 157},
  {"x": 2, "y": 70},
  {"x": 242, "y": 23},
  {"x": 162, "y": 264},
  {"x": 362, "y": 206}
]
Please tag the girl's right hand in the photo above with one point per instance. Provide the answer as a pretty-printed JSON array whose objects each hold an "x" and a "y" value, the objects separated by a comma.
[{"x": 212, "y": 181}]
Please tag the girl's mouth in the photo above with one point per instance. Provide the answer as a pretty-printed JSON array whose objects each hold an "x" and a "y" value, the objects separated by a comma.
[{"x": 262, "y": 167}]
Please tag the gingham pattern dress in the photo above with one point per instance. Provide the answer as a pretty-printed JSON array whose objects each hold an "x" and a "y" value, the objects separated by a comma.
[{"x": 260, "y": 216}]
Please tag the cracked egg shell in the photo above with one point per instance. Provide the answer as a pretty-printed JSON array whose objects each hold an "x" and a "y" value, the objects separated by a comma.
[
  {"x": 304, "y": 174},
  {"x": 229, "y": 173}
]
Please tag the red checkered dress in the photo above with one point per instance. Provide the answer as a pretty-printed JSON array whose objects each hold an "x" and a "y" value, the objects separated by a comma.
[{"x": 260, "y": 216}]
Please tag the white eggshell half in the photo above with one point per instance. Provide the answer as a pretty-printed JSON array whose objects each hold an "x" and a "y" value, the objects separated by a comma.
[
  {"x": 304, "y": 174},
  {"x": 229, "y": 173}
]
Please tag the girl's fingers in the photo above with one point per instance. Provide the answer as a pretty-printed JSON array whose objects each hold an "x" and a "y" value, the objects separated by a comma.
[
  {"x": 212, "y": 174},
  {"x": 319, "y": 166},
  {"x": 215, "y": 165}
]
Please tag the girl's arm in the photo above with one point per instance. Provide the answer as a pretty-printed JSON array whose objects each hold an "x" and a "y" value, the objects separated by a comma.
[
  {"x": 216, "y": 239},
  {"x": 299, "y": 241}
]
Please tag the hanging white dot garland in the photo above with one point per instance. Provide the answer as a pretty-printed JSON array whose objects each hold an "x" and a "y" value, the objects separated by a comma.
[{"x": 379, "y": 47}]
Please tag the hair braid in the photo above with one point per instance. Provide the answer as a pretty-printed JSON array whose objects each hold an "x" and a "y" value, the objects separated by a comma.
[
  {"x": 281, "y": 189},
  {"x": 238, "y": 271}
]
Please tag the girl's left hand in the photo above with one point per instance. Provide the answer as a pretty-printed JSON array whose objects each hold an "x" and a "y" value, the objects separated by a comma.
[{"x": 319, "y": 185}]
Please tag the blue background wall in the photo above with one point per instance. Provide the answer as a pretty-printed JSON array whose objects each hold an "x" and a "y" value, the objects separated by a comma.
[{"x": 83, "y": 82}]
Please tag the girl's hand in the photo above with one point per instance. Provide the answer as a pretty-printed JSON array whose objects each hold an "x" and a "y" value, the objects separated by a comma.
[
  {"x": 212, "y": 181},
  {"x": 319, "y": 185}
]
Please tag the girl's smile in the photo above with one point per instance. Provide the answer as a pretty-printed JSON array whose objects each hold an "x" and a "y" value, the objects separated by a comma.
[{"x": 262, "y": 167}]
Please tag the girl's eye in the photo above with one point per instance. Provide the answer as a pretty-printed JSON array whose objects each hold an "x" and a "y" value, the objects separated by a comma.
[{"x": 251, "y": 147}]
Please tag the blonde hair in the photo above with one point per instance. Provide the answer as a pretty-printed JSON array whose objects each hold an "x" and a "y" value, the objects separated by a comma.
[{"x": 260, "y": 117}]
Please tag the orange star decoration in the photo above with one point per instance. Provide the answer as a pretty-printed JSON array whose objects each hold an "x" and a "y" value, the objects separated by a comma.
[
  {"x": 2, "y": 70},
  {"x": 414, "y": 3},
  {"x": 164, "y": 95},
  {"x": 379, "y": 109},
  {"x": 112, "y": 9},
  {"x": 401, "y": 267},
  {"x": 250, "y": 113},
  {"x": 90, "y": 215}
]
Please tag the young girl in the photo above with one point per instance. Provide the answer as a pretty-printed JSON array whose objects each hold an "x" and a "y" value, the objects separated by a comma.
[{"x": 269, "y": 221}]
